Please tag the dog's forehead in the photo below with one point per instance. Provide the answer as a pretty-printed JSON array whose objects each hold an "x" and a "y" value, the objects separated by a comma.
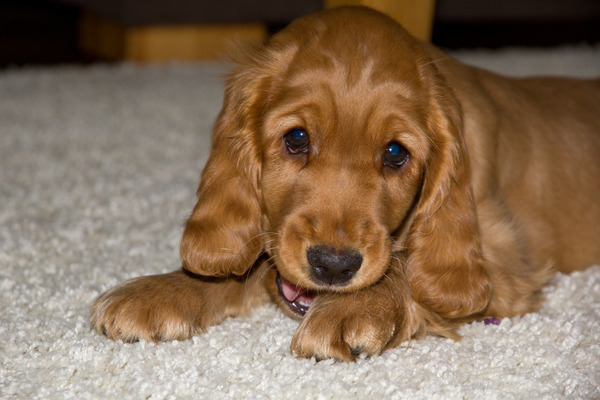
[
  {"x": 358, "y": 59},
  {"x": 349, "y": 92},
  {"x": 351, "y": 39}
]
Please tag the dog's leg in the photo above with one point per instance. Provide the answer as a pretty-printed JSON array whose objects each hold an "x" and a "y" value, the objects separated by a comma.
[
  {"x": 174, "y": 306},
  {"x": 368, "y": 321}
]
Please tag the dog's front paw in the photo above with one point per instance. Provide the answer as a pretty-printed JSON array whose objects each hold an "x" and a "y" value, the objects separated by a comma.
[
  {"x": 152, "y": 308},
  {"x": 342, "y": 326}
]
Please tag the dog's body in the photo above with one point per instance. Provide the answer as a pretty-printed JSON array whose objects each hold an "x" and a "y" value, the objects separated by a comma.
[{"x": 378, "y": 190}]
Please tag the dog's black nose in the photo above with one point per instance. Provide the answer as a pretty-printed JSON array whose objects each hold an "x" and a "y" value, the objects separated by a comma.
[{"x": 332, "y": 266}]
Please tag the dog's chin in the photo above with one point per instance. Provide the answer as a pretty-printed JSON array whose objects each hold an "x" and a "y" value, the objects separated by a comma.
[{"x": 295, "y": 299}]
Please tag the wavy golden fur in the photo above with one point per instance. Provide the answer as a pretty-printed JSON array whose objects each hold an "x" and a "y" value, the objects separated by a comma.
[{"x": 377, "y": 190}]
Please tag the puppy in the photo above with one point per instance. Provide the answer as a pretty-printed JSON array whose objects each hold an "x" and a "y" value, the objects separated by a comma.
[{"x": 377, "y": 190}]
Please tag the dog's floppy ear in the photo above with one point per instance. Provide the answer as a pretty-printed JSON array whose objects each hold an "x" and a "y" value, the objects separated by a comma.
[
  {"x": 222, "y": 236},
  {"x": 446, "y": 265}
]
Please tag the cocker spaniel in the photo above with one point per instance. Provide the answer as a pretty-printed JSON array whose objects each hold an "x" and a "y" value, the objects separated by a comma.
[{"x": 377, "y": 190}]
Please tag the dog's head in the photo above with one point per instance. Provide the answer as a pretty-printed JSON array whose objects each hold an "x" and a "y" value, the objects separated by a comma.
[{"x": 338, "y": 147}]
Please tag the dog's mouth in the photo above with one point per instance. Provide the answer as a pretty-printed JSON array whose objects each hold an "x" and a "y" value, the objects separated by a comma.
[{"x": 297, "y": 299}]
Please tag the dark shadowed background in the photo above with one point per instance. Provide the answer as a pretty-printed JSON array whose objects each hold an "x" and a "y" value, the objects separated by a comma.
[{"x": 46, "y": 31}]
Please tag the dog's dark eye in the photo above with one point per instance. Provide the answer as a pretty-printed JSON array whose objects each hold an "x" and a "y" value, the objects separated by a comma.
[
  {"x": 395, "y": 155},
  {"x": 296, "y": 141}
]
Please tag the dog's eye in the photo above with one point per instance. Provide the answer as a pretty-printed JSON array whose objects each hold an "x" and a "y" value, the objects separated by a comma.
[
  {"x": 296, "y": 141},
  {"x": 395, "y": 155}
]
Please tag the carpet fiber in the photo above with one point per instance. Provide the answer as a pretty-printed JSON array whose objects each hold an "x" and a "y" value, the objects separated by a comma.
[{"x": 98, "y": 171}]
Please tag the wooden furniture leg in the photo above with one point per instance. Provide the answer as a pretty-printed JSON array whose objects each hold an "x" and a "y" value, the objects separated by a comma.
[
  {"x": 158, "y": 43},
  {"x": 105, "y": 39}
]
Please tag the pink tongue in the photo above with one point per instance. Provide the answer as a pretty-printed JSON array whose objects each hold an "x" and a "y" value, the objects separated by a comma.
[{"x": 293, "y": 293}]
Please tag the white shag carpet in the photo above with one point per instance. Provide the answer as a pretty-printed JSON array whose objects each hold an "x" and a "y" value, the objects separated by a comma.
[{"x": 98, "y": 170}]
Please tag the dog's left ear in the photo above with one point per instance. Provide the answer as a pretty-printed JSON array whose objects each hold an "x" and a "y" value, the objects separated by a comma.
[
  {"x": 446, "y": 266},
  {"x": 223, "y": 234}
]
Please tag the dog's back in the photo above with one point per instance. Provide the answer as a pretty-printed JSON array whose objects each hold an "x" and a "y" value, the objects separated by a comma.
[{"x": 536, "y": 143}]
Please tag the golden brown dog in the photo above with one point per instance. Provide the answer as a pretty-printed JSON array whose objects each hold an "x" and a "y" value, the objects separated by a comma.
[{"x": 377, "y": 190}]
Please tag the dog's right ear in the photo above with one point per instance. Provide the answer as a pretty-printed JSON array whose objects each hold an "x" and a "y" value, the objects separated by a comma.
[
  {"x": 446, "y": 263},
  {"x": 223, "y": 234}
]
